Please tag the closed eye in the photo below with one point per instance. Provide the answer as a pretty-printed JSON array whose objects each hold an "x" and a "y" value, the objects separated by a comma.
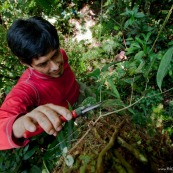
[{"x": 44, "y": 64}]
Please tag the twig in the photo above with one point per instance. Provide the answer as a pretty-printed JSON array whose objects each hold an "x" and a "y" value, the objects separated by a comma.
[
  {"x": 79, "y": 141},
  {"x": 123, "y": 108},
  {"x": 132, "y": 91},
  {"x": 124, "y": 41}
]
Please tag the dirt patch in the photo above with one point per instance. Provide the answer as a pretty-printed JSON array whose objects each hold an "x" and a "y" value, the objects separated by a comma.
[{"x": 83, "y": 24}]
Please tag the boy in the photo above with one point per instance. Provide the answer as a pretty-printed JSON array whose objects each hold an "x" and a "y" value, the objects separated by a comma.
[{"x": 44, "y": 90}]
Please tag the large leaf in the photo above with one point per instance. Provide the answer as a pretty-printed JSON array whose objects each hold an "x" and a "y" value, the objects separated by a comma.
[
  {"x": 164, "y": 66},
  {"x": 113, "y": 88},
  {"x": 30, "y": 153},
  {"x": 139, "y": 55},
  {"x": 35, "y": 169}
]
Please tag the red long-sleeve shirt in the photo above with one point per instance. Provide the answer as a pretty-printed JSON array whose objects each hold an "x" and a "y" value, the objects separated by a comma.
[{"x": 34, "y": 89}]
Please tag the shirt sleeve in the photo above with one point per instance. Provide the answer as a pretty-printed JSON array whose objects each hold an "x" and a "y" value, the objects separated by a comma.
[{"x": 18, "y": 102}]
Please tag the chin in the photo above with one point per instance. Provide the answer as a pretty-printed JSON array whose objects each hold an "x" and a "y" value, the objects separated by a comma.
[{"x": 56, "y": 75}]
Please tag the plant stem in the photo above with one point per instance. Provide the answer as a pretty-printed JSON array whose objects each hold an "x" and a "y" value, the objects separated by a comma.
[
  {"x": 162, "y": 27},
  {"x": 45, "y": 166},
  {"x": 123, "y": 108}
]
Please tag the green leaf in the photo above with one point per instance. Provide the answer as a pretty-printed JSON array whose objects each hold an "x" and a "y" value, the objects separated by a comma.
[
  {"x": 139, "y": 15},
  {"x": 127, "y": 23},
  {"x": 164, "y": 66},
  {"x": 135, "y": 44},
  {"x": 44, "y": 171},
  {"x": 65, "y": 150},
  {"x": 35, "y": 169},
  {"x": 140, "y": 67},
  {"x": 170, "y": 43},
  {"x": 95, "y": 73},
  {"x": 113, "y": 87},
  {"x": 30, "y": 153},
  {"x": 70, "y": 132},
  {"x": 139, "y": 55},
  {"x": 139, "y": 41},
  {"x": 88, "y": 101},
  {"x": 25, "y": 149},
  {"x": 116, "y": 27},
  {"x": 61, "y": 140},
  {"x": 152, "y": 56},
  {"x": 146, "y": 37},
  {"x": 69, "y": 160},
  {"x": 106, "y": 66},
  {"x": 131, "y": 80}
]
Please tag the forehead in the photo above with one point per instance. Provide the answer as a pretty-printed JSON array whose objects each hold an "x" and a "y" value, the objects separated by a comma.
[{"x": 47, "y": 57}]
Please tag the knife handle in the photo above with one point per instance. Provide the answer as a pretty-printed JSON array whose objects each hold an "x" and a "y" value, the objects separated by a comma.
[{"x": 39, "y": 130}]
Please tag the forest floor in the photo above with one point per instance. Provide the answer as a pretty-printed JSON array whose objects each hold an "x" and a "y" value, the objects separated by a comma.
[{"x": 115, "y": 144}]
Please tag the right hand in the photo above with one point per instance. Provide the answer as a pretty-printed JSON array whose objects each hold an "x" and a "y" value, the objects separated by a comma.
[{"x": 47, "y": 116}]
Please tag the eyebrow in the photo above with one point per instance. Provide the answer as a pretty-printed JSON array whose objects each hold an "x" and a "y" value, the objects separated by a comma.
[{"x": 56, "y": 53}]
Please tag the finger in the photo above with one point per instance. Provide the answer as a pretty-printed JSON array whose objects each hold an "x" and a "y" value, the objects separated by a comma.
[
  {"x": 43, "y": 121},
  {"x": 61, "y": 111},
  {"x": 53, "y": 116},
  {"x": 29, "y": 124},
  {"x": 58, "y": 129},
  {"x": 55, "y": 134}
]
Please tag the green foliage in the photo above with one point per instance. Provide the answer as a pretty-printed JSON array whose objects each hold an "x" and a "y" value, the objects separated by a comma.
[
  {"x": 132, "y": 85},
  {"x": 9, "y": 71},
  {"x": 75, "y": 55},
  {"x": 133, "y": 16},
  {"x": 164, "y": 66}
]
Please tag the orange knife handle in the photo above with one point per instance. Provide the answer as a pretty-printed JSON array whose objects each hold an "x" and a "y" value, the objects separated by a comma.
[
  {"x": 74, "y": 114},
  {"x": 39, "y": 129},
  {"x": 29, "y": 134}
]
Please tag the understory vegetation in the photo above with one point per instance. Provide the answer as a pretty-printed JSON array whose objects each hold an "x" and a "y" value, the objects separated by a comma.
[{"x": 133, "y": 129}]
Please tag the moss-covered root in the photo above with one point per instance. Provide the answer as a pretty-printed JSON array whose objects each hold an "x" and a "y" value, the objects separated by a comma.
[
  {"x": 133, "y": 150},
  {"x": 100, "y": 168},
  {"x": 123, "y": 162},
  {"x": 118, "y": 166}
]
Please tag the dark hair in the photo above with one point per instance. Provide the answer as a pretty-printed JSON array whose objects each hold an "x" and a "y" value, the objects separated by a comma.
[{"x": 32, "y": 38}]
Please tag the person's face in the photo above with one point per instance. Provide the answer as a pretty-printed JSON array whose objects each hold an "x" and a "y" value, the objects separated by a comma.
[{"x": 50, "y": 64}]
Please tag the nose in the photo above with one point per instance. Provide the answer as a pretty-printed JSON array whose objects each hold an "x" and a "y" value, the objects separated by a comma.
[{"x": 54, "y": 66}]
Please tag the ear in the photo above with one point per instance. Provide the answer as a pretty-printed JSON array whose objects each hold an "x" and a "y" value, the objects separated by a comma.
[{"x": 27, "y": 65}]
